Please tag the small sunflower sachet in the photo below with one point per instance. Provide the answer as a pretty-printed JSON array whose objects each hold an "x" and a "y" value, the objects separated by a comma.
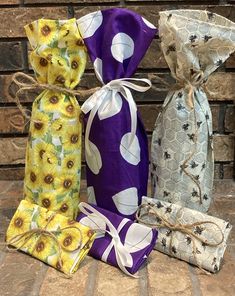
[
  {"x": 50, "y": 237},
  {"x": 53, "y": 155}
]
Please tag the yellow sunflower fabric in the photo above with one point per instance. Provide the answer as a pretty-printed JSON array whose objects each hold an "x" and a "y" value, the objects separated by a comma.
[
  {"x": 72, "y": 238},
  {"x": 53, "y": 156}
]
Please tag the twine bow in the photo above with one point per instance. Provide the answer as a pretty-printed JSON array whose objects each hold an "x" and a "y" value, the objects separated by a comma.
[
  {"x": 32, "y": 83},
  {"x": 187, "y": 229},
  {"x": 27, "y": 235}
]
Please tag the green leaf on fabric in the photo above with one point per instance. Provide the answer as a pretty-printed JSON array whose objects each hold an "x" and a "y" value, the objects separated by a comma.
[
  {"x": 53, "y": 44},
  {"x": 66, "y": 98},
  {"x": 58, "y": 148},
  {"x": 35, "y": 216},
  {"x": 48, "y": 138},
  {"x": 60, "y": 197}
]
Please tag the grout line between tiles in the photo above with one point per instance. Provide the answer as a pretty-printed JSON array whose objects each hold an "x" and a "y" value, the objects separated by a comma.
[
  {"x": 194, "y": 281},
  {"x": 92, "y": 278}
]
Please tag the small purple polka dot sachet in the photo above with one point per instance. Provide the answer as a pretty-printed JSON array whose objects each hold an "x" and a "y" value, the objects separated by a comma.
[
  {"x": 195, "y": 43},
  {"x": 116, "y": 146},
  {"x": 119, "y": 241}
]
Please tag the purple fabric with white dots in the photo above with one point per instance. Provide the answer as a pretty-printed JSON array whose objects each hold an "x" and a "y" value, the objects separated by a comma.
[{"x": 117, "y": 40}]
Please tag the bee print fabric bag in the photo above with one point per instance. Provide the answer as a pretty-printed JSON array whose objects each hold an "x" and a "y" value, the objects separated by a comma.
[
  {"x": 119, "y": 241},
  {"x": 53, "y": 156},
  {"x": 52, "y": 238},
  {"x": 115, "y": 139},
  {"x": 186, "y": 234},
  {"x": 195, "y": 43}
]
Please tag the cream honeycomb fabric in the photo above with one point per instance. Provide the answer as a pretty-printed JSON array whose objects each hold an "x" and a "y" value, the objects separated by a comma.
[{"x": 195, "y": 43}]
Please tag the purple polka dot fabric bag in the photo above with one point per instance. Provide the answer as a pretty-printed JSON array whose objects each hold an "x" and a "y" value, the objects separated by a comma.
[
  {"x": 115, "y": 139},
  {"x": 119, "y": 241}
]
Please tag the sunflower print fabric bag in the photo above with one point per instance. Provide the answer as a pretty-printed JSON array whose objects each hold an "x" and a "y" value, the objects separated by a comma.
[
  {"x": 53, "y": 156},
  {"x": 195, "y": 43},
  {"x": 50, "y": 237}
]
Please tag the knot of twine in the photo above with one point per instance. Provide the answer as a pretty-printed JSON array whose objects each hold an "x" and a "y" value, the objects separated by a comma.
[
  {"x": 197, "y": 81},
  {"x": 27, "y": 235},
  {"x": 32, "y": 83},
  {"x": 187, "y": 229}
]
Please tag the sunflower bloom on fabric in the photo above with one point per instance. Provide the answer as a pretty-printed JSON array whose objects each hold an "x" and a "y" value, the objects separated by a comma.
[{"x": 58, "y": 57}]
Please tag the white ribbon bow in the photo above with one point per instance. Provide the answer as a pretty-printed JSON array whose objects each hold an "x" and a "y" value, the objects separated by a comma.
[
  {"x": 107, "y": 104},
  {"x": 124, "y": 258}
]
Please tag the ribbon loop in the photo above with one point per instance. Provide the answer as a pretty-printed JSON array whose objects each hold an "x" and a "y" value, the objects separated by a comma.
[
  {"x": 124, "y": 258},
  {"x": 98, "y": 103}
]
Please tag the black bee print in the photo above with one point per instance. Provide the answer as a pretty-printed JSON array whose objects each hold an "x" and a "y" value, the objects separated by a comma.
[
  {"x": 205, "y": 197},
  {"x": 203, "y": 166},
  {"x": 198, "y": 230},
  {"x": 168, "y": 210},
  {"x": 173, "y": 249},
  {"x": 204, "y": 245},
  {"x": 168, "y": 232},
  {"x": 192, "y": 72},
  {"x": 193, "y": 164},
  {"x": 219, "y": 63},
  {"x": 159, "y": 205},
  {"x": 158, "y": 220},
  {"x": 192, "y": 38},
  {"x": 210, "y": 15},
  {"x": 207, "y": 38},
  {"x": 207, "y": 116},
  {"x": 185, "y": 126},
  {"x": 188, "y": 240},
  {"x": 163, "y": 242},
  {"x": 191, "y": 137},
  {"x": 199, "y": 123},
  {"x": 216, "y": 268},
  {"x": 154, "y": 166},
  {"x": 159, "y": 141},
  {"x": 180, "y": 95},
  {"x": 169, "y": 17},
  {"x": 170, "y": 48},
  {"x": 196, "y": 177},
  {"x": 194, "y": 193},
  {"x": 214, "y": 260},
  {"x": 165, "y": 193},
  {"x": 228, "y": 225},
  {"x": 167, "y": 155},
  {"x": 180, "y": 107}
]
